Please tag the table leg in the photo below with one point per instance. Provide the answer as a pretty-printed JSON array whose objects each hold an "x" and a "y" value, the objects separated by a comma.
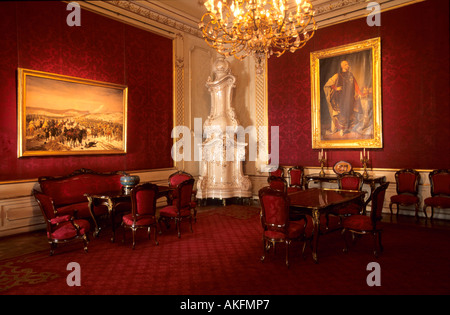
[
  {"x": 91, "y": 210},
  {"x": 111, "y": 214},
  {"x": 316, "y": 232}
]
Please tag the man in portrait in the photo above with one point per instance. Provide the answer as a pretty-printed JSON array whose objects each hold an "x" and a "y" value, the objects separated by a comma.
[{"x": 344, "y": 100}]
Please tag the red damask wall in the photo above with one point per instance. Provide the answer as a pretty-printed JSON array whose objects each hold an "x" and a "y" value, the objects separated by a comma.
[
  {"x": 415, "y": 90},
  {"x": 35, "y": 35}
]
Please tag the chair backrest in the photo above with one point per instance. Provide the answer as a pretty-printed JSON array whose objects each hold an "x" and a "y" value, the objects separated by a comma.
[
  {"x": 378, "y": 202},
  {"x": 184, "y": 193},
  {"x": 178, "y": 177},
  {"x": 277, "y": 183},
  {"x": 45, "y": 204},
  {"x": 407, "y": 181},
  {"x": 279, "y": 172},
  {"x": 143, "y": 199},
  {"x": 350, "y": 181},
  {"x": 440, "y": 182},
  {"x": 296, "y": 176},
  {"x": 275, "y": 209}
]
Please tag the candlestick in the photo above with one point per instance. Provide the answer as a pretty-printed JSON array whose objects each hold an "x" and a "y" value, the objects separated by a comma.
[
  {"x": 322, "y": 160},
  {"x": 364, "y": 160}
]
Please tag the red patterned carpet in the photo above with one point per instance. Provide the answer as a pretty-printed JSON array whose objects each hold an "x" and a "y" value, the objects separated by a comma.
[{"x": 222, "y": 257}]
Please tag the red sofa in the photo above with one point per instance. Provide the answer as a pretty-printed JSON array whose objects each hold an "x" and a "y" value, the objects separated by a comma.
[{"x": 66, "y": 193}]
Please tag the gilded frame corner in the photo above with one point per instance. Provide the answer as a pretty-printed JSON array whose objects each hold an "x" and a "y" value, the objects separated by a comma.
[{"x": 355, "y": 120}]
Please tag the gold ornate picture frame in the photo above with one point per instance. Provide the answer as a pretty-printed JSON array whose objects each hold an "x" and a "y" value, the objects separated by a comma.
[
  {"x": 346, "y": 96},
  {"x": 62, "y": 115}
]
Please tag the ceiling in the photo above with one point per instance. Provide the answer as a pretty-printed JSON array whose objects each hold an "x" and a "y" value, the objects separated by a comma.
[
  {"x": 185, "y": 15},
  {"x": 327, "y": 11}
]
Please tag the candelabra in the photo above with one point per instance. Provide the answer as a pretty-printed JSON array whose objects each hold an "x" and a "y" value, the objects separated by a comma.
[
  {"x": 364, "y": 160},
  {"x": 322, "y": 161}
]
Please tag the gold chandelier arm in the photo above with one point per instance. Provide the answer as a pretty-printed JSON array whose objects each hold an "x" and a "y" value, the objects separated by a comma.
[{"x": 257, "y": 27}]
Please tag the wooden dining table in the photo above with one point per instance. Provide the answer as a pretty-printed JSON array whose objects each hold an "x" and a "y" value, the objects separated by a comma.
[
  {"x": 112, "y": 200},
  {"x": 320, "y": 201}
]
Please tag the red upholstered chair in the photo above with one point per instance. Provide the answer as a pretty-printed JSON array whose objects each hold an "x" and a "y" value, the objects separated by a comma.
[
  {"x": 278, "y": 171},
  {"x": 295, "y": 178},
  {"x": 275, "y": 221},
  {"x": 350, "y": 181},
  {"x": 407, "y": 181},
  {"x": 143, "y": 210},
  {"x": 278, "y": 183},
  {"x": 181, "y": 209},
  {"x": 440, "y": 191},
  {"x": 61, "y": 228},
  {"x": 174, "y": 180},
  {"x": 363, "y": 224}
]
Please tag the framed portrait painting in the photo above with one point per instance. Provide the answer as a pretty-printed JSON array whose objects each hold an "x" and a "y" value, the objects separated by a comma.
[
  {"x": 346, "y": 96},
  {"x": 62, "y": 115}
]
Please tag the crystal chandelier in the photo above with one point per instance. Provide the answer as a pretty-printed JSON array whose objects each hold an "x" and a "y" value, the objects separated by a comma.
[{"x": 258, "y": 28}]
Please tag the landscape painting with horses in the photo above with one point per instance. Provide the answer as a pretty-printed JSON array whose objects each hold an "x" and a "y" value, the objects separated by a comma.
[{"x": 64, "y": 116}]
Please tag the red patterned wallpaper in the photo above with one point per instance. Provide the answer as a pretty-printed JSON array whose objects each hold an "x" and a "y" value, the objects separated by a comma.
[
  {"x": 415, "y": 90},
  {"x": 35, "y": 36}
]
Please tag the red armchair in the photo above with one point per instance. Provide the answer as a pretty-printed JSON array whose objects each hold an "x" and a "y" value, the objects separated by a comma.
[
  {"x": 275, "y": 221},
  {"x": 407, "y": 181},
  {"x": 181, "y": 209},
  {"x": 279, "y": 172},
  {"x": 350, "y": 181},
  {"x": 278, "y": 183},
  {"x": 363, "y": 224},
  {"x": 296, "y": 176},
  {"x": 174, "y": 180},
  {"x": 61, "y": 228},
  {"x": 143, "y": 209},
  {"x": 440, "y": 191}
]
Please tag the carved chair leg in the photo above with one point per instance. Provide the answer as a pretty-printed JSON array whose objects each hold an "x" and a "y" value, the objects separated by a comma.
[
  {"x": 155, "y": 235},
  {"x": 134, "y": 237},
  {"x": 52, "y": 248},
  {"x": 86, "y": 242},
  {"x": 303, "y": 249},
  {"x": 425, "y": 212},
  {"x": 178, "y": 227},
  {"x": 124, "y": 232},
  {"x": 375, "y": 243},
  {"x": 264, "y": 250},
  {"x": 343, "y": 233},
  {"x": 287, "y": 252}
]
